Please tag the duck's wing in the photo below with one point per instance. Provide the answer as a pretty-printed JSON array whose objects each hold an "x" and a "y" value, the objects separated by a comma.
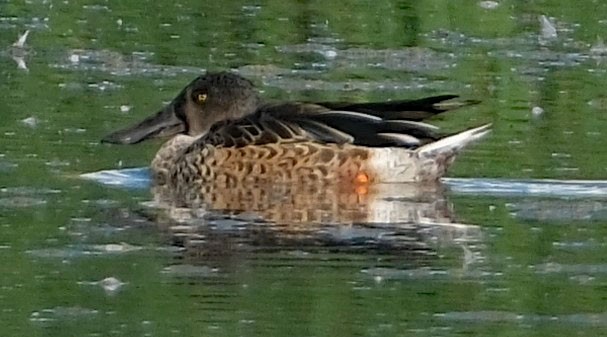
[
  {"x": 297, "y": 122},
  {"x": 413, "y": 110},
  {"x": 276, "y": 123}
]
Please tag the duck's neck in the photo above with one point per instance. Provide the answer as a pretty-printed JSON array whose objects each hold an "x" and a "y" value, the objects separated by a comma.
[{"x": 168, "y": 154}]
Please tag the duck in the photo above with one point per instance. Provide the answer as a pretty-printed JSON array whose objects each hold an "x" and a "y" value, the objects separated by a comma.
[{"x": 221, "y": 131}]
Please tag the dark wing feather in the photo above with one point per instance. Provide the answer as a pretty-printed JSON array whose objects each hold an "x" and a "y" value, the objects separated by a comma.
[
  {"x": 413, "y": 110},
  {"x": 368, "y": 124},
  {"x": 262, "y": 127},
  {"x": 325, "y": 133}
]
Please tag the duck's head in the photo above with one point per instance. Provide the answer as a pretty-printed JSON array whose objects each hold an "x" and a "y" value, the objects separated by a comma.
[{"x": 210, "y": 98}]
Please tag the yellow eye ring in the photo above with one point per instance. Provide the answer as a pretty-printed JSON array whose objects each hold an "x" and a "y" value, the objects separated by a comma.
[{"x": 201, "y": 98}]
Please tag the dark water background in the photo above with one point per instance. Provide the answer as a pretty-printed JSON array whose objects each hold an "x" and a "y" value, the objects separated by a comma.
[{"x": 80, "y": 258}]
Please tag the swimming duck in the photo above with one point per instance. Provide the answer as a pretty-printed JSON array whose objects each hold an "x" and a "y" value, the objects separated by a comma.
[{"x": 223, "y": 132}]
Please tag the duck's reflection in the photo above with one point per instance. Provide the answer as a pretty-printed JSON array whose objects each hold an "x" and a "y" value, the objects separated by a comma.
[{"x": 213, "y": 220}]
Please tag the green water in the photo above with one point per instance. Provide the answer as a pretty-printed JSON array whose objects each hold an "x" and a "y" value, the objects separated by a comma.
[{"x": 530, "y": 266}]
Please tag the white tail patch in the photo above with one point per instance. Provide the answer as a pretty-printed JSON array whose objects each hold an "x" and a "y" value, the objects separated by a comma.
[
  {"x": 455, "y": 142},
  {"x": 425, "y": 164}
]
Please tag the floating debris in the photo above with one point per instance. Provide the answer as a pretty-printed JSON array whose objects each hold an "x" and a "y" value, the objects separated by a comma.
[
  {"x": 489, "y": 4},
  {"x": 560, "y": 155},
  {"x": 20, "y": 43},
  {"x": 122, "y": 247},
  {"x": 110, "y": 285},
  {"x": 32, "y": 121},
  {"x": 20, "y": 63},
  {"x": 105, "y": 86},
  {"x": 548, "y": 30},
  {"x": 469, "y": 257},
  {"x": 537, "y": 111},
  {"x": 74, "y": 58},
  {"x": 57, "y": 163},
  {"x": 18, "y": 51}
]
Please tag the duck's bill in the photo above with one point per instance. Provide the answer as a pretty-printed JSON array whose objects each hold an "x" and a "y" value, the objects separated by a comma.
[{"x": 163, "y": 124}]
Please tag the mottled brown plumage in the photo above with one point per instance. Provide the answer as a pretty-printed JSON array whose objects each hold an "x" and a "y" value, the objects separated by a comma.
[{"x": 227, "y": 134}]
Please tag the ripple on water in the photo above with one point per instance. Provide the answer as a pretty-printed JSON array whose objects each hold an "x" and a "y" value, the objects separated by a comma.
[
  {"x": 21, "y": 202},
  {"x": 84, "y": 250},
  {"x": 531, "y": 187},
  {"x": 140, "y": 178},
  {"x": 190, "y": 271},
  {"x": 392, "y": 274},
  {"x": 558, "y": 268},
  {"x": 409, "y": 59},
  {"x": 482, "y": 317},
  {"x": 559, "y": 210},
  {"x": 110, "y": 285},
  {"x": 22, "y": 190},
  {"x": 115, "y": 63},
  {"x": 24, "y": 197},
  {"x": 46, "y": 316},
  {"x": 6, "y": 166}
]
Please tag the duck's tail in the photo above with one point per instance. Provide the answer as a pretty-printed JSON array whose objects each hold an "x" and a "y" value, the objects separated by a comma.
[
  {"x": 451, "y": 145},
  {"x": 425, "y": 164},
  {"x": 434, "y": 159}
]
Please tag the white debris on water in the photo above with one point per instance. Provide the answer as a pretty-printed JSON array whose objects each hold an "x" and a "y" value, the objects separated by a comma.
[
  {"x": 122, "y": 247},
  {"x": 31, "y": 121},
  {"x": 489, "y": 4},
  {"x": 111, "y": 284},
  {"x": 74, "y": 58},
  {"x": 537, "y": 111},
  {"x": 20, "y": 43},
  {"x": 548, "y": 30},
  {"x": 20, "y": 63}
]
